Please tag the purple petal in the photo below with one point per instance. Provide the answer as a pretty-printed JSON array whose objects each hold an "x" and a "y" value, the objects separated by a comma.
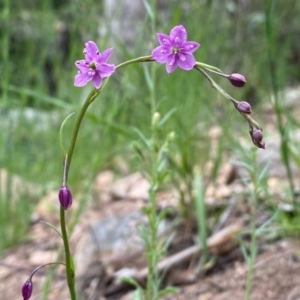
[
  {"x": 161, "y": 54},
  {"x": 106, "y": 70},
  {"x": 163, "y": 39},
  {"x": 97, "y": 80},
  {"x": 82, "y": 79},
  {"x": 178, "y": 35},
  {"x": 171, "y": 65},
  {"x": 186, "y": 61},
  {"x": 82, "y": 65},
  {"x": 190, "y": 47},
  {"x": 90, "y": 51},
  {"x": 104, "y": 56}
]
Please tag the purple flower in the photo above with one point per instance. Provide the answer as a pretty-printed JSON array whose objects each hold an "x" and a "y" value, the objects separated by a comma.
[
  {"x": 94, "y": 67},
  {"x": 27, "y": 289},
  {"x": 65, "y": 197},
  {"x": 237, "y": 80},
  {"x": 174, "y": 50}
]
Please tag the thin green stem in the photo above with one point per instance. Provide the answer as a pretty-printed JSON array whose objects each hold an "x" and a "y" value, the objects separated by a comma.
[
  {"x": 152, "y": 288},
  {"x": 76, "y": 128},
  {"x": 45, "y": 265},
  {"x": 250, "y": 120},
  {"x": 201, "y": 216},
  {"x": 208, "y": 67},
  {"x": 253, "y": 253},
  {"x": 152, "y": 280},
  {"x": 69, "y": 262},
  {"x": 135, "y": 60},
  {"x": 272, "y": 59},
  {"x": 253, "y": 243}
]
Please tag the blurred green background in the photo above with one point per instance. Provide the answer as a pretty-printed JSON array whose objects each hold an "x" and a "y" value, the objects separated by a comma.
[{"x": 41, "y": 40}]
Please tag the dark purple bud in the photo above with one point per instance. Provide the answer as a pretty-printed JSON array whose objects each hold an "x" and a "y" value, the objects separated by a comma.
[
  {"x": 257, "y": 138},
  {"x": 27, "y": 290},
  {"x": 237, "y": 80},
  {"x": 244, "y": 107},
  {"x": 65, "y": 197}
]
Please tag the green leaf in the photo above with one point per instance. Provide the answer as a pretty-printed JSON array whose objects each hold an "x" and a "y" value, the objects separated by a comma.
[
  {"x": 167, "y": 117},
  {"x": 166, "y": 291},
  {"x": 63, "y": 150},
  {"x": 142, "y": 137},
  {"x": 39, "y": 96},
  {"x": 138, "y": 294},
  {"x": 149, "y": 10},
  {"x": 131, "y": 281},
  {"x": 50, "y": 225}
]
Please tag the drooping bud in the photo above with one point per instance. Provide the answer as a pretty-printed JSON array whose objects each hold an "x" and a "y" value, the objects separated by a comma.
[
  {"x": 257, "y": 138},
  {"x": 237, "y": 80},
  {"x": 27, "y": 290},
  {"x": 65, "y": 197},
  {"x": 244, "y": 107}
]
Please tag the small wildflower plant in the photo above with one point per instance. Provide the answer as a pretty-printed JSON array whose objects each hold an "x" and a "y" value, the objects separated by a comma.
[{"x": 174, "y": 51}]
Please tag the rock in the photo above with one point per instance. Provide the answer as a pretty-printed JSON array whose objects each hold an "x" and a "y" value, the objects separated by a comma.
[
  {"x": 110, "y": 245},
  {"x": 48, "y": 206},
  {"x": 134, "y": 186},
  {"x": 104, "y": 181},
  {"x": 38, "y": 258}
]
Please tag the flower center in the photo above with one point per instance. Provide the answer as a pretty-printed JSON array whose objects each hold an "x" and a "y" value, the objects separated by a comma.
[
  {"x": 92, "y": 66},
  {"x": 175, "y": 50}
]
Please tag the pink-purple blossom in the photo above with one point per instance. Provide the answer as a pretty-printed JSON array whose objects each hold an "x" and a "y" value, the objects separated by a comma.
[
  {"x": 94, "y": 67},
  {"x": 174, "y": 50}
]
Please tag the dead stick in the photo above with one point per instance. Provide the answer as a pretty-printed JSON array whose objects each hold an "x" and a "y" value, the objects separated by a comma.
[{"x": 214, "y": 242}]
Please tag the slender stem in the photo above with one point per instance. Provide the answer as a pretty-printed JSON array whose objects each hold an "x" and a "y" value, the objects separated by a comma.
[
  {"x": 153, "y": 256},
  {"x": 216, "y": 86},
  {"x": 251, "y": 121},
  {"x": 272, "y": 60},
  {"x": 253, "y": 245},
  {"x": 252, "y": 257},
  {"x": 152, "y": 280},
  {"x": 218, "y": 73},
  {"x": 45, "y": 265},
  {"x": 76, "y": 129},
  {"x": 135, "y": 60},
  {"x": 69, "y": 263},
  {"x": 208, "y": 67},
  {"x": 201, "y": 216}
]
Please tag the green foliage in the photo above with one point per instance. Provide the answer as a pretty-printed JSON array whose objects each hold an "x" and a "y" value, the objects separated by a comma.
[{"x": 16, "y": 203}]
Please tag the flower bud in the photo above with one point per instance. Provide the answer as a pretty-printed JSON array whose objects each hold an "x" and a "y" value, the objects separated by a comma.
[
  {"x": 237, "y": 80},
  {"x": 244, "y": 107},
  {"x": 155, "y": 119},
  {"x": 257, "y": 138},
  {"x": 65, "y": 197},
  {"x": 27, "y": 290}
]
